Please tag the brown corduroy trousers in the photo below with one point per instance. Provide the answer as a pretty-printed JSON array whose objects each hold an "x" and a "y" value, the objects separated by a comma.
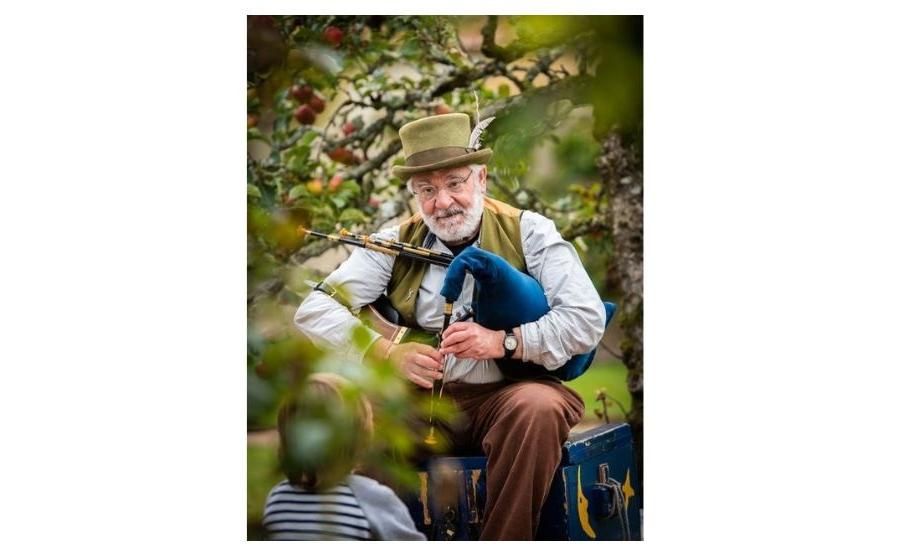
[{"x": 520, "y": 426}]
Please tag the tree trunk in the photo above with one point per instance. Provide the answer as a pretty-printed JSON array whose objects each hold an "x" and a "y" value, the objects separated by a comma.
[{"x": 620, "y": 165}]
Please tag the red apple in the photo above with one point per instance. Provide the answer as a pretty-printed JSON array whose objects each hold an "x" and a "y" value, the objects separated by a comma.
[
  {"x": 305, "y": 115},
  {"x": 373, "y": 202},
  {"x": 348, "y": 128},
  {"x": 251, "y": 120},
  {"x": 442, "y": 109},
  {"x": 341, "y": 154},
  {"x": 333, "y": 35},
  {"x": 317, "y": 104},
  {"x": 302, "y": 92},
  {"x": 335, "y": 182}
]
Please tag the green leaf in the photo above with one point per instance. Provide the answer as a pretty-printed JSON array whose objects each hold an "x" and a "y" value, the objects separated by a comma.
[
  {"x": 301, "y": 34},
  {"x": 504, "y": 90},
  {"x": 306, "y": 139},
  {"x": 410, "y": 48},
  {"x": 323, "y": 218},
  {"x": 352, "y": 216},
  {"x": 338, "y": 200},
  {"x": 298, "y": 157},
  {"x": 253, "y": 191},
  {"x": 346, "y": 193},
  {"x": 298, "y": 191},
  {"x": 350, "y": 187}
]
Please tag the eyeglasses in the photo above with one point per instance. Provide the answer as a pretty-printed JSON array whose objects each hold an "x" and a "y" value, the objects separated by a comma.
[{"x": 455, "y": 186}]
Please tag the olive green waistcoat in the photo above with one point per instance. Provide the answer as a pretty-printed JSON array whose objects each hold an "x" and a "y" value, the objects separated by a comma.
[{"x": 500, "y": 233}]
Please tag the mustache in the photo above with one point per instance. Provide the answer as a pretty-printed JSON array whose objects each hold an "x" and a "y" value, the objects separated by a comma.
[{"x": 452, "y": 211}]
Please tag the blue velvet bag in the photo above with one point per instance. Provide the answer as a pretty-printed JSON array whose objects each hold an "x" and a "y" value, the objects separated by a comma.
[{"x": 505, "y": 298}]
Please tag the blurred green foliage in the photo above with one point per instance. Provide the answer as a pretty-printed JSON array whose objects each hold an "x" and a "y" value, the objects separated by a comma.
[{"x": 603, "y": 375}]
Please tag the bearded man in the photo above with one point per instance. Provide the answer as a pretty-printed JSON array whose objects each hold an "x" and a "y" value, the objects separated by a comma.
[{"x": 519, "y": 425}]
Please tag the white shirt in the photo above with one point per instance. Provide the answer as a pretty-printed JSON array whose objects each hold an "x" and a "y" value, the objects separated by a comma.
[{"x": 574, "y": 324}]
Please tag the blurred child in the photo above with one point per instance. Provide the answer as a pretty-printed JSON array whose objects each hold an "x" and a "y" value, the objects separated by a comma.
[{"x": 324, "y": 429}]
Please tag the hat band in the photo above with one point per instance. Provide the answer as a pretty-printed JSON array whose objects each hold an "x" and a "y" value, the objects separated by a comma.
[{"x": 431, "y": 156}]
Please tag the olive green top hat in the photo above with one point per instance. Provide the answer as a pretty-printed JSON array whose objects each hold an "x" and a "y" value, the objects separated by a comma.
[{"x": 437, "y": 142}]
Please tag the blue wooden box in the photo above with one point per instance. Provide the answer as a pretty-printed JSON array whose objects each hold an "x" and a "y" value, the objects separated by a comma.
[{"x": 593, "y": 494}]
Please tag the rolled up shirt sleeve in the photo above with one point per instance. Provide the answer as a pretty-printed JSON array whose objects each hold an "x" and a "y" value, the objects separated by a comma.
[
  {"x": 576, "y": 320},
  {"x": 361, "y": 279}
]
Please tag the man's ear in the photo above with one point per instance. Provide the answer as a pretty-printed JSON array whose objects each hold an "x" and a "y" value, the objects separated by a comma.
[{"x": 483, "y": 176}]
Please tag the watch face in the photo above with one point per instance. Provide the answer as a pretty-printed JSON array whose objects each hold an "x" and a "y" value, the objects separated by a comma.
[{"x": 510, "y": 342}]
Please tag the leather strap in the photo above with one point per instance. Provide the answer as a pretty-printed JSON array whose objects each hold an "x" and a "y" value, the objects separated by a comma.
[{"x": 331, "y": 292}]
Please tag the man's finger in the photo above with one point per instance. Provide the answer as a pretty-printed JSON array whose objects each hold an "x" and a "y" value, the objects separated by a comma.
[
  {"x": 457, "y": 336},
  {"x": 428, "y": 373},
  {"x": 419, "y": 381},
  {"x": 457, "y": 348},
  {"x": 426, "y": 362},
  {"x": 450, "y": 330},
  {"x": 432, "y": 353},
  {"x": 457, "y": 327}
]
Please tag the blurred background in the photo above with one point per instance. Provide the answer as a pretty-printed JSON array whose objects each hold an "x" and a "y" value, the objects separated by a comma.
[{"x": 325, "y": 97}]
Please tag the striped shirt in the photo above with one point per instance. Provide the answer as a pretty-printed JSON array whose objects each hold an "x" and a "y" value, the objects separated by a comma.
[{"x": 294, "y": 514}]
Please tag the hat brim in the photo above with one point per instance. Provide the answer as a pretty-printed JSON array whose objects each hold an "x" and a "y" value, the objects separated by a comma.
[{"x": 476, "y": 157}]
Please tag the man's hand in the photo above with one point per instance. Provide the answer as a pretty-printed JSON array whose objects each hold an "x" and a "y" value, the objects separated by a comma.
[
  {"x": 468, "y": 340},
  {"x": 419, "y": 363}
]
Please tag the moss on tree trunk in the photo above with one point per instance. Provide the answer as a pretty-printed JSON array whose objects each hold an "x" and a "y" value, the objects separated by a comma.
[{"x": 620, "y": 165}]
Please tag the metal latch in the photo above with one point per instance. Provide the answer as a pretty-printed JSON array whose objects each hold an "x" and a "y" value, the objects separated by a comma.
[
  {"x": 449, "y": 527},
  {"x": 603, "y": 494},
  {"x": 608, "y": 500}
]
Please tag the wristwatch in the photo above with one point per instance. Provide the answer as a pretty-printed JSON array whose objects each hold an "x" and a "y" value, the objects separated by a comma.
[{"x": 510, "y": 342}]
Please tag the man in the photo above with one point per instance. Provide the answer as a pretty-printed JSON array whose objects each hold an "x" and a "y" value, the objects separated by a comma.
[{"x": 519, "y": 425}]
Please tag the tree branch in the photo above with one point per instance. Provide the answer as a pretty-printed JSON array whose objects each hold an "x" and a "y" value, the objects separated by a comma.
[
  {"x": 583, "y": 227},
  {"x": 543, "y": 62},
  {"x": 372, "y": 164},
  {"x": 329, "y": 124},
  {"x": 361, "y": 135},
  {"x": 295, "y": 137},
  {"x": 460, "y": 79},
  {"x": 505, "y": 54}
]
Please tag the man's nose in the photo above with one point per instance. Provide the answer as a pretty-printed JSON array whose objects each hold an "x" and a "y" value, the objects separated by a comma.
[{"x": 443, "y": 199}]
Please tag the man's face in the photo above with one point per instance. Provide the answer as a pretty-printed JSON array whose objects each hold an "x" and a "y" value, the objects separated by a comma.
[{"x": 451, "y": 200}]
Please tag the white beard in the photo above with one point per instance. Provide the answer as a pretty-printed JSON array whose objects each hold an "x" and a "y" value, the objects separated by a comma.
[{"x": 457, "y": 228}]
